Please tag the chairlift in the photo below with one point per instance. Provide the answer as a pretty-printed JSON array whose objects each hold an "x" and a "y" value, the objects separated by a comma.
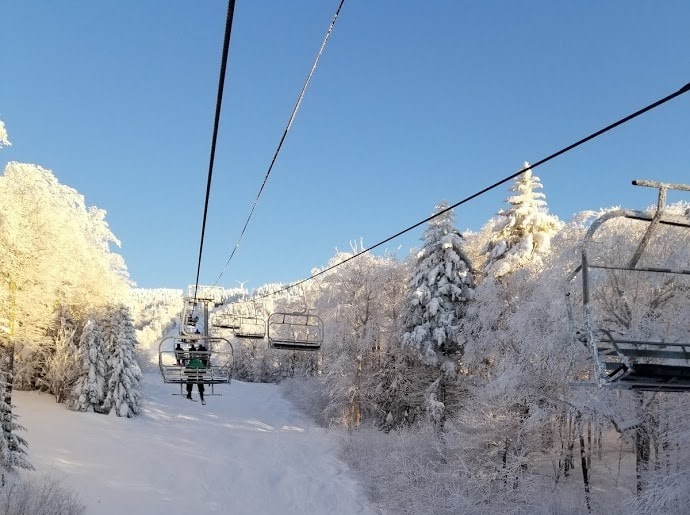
[
  {"x": 655, "y": 363},
  {"x": 252, "y": 327},
  {"x": 295, "y": 331},
  {"x": 195, "y": 316},
  {"x": 174, "y": 352},
  {"x": 225, "y": 321}
]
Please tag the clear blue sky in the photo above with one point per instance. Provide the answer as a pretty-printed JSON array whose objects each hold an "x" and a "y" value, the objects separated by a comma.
[{"x": 412, "y": 103}]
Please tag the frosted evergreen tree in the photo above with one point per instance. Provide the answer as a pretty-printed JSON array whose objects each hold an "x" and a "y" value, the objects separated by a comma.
[
  {"x": 12, "y": 446},
  {"x": 124, "y": 374},
  {"x": 90, "y": 387},
  {"x": 440, "y": 286},
  {"x": 439, "y": 289},
  {"x": 522, "y": 232}
]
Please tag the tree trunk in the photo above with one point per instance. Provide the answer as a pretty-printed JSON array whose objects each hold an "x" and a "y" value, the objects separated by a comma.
[
  {"x": 643, "y": 445},
  {"x": 354, "y": 409},
  {"x": 584, "y": 462},
  {"x": 590, "y": 445},
  {"x": 642, "y": 456}
]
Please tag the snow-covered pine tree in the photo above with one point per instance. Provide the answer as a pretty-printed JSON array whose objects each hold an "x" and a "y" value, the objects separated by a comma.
[
  {"x": 124, "y": 374},
  {"x": 522, "y": 232},
  {"x": 90, "y": 387},
  {"x": 12, "y": 446},
  {"x": 399, "y": 395},
  {"x": 440, "y": 286},
  {"x": 442, "y": 283}
]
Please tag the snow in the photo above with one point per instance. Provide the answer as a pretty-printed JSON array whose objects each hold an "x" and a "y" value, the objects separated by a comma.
[{"x": 245, "y": 452}]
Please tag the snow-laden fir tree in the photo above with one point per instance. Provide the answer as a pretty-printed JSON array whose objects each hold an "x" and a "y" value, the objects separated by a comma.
[
  {"x": 124, "y": 374},
  {"x": 89, "y": 391},
  {"x": 12, "y": 446},
  {"x": 522, "y": 232},
  {"x": 440, "y": 286}
]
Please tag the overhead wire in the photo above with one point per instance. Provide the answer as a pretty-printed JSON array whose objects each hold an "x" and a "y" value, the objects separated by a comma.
[
  {"x": 282, "y": 139},
  {"x": 538, "y": 163},
  {"x": 214, "y": 139}
]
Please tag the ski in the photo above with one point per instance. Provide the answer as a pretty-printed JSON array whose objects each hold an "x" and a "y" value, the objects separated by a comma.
[{"x": 190, "y": 399}]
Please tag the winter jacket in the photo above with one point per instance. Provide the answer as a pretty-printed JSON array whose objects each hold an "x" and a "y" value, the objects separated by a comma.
[{"x": 195, "y": 363}]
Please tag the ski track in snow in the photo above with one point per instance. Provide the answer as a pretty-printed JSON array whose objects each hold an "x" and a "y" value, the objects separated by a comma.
[{"x": 245, "y": 452}]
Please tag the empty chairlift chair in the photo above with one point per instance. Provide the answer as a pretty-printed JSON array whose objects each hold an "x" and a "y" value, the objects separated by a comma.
[
  {"x": 252, "y": 327},
  {"x": 635, "y": 306},
  {"x": 225, "y": 321},
  {"x": 295, "y": 331}
]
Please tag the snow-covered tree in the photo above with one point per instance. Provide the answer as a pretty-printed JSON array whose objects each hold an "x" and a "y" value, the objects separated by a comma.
[
  {"x": 154, "y": 312},
  {"x": 54, "y": 251},
  {"x": 12, "y": 446},
  {"x": 62, "y": 367},
  {"x": 522, "y": 232},
  {"x": 441, "y": 285},
  {"x": 57, "y": 256},
  {"x": 359, "y": 304},
  {"x": 124, "y": 374},
  {"x": 89, "y": 391}
]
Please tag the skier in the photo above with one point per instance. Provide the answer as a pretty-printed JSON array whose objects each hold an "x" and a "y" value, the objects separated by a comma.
[
  {"x": 194, "y": 369},
  {"x": 179, "y": 354}
]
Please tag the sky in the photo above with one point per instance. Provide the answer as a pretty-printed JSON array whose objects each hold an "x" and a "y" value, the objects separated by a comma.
[
  {"x": 181, "y": 457},
  {"x": 408, "y": 107}
]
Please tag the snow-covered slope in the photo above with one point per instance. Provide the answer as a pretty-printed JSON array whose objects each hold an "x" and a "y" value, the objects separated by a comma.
[{"x": 245, "y": 452}]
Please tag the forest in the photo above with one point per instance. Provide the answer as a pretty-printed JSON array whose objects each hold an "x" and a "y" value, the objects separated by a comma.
[{"x": 459, "y": 377}]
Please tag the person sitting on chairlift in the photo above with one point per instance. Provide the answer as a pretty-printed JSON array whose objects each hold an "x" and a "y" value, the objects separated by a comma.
[
  {"x": 194, "y": 365},
  {"x": 203, "y": 354},
  {"x": 179, "y": 354}
]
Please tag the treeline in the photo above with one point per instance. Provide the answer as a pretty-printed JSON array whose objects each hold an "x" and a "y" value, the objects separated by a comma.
[
  {"x": 65, "y": 326},
  {"x": 465, "y": 381},
  {"x": 459, "y": 372}
]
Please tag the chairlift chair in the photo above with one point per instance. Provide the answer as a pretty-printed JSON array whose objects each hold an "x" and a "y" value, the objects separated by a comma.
[
  {"x": 219, "y": 358},
  {"x": 251, "y": 327},
  {"x": 225, "y": 321},
  {"x": 657, "y": 363},
  {"x": 295, "y": 331},
  {"x": 195, "y": 316}
]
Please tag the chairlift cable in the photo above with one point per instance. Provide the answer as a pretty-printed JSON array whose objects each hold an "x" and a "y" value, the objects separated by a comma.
[
  {"x": 653, "y": 105},
  {"x": 216, "y": 123},
  {"x": 282, "y": 140}
]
